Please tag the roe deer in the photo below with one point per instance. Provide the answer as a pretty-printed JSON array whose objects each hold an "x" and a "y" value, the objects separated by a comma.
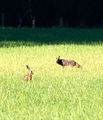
[{"x": 65, "y": 62}]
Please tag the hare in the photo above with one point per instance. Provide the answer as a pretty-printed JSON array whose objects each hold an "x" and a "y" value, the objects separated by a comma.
[
  {"x": 64, "y": 62},
  {"x": 29, "y": 74}
]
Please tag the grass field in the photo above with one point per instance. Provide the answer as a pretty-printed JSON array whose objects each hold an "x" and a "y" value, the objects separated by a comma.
[{"x": 54, "y": 93}]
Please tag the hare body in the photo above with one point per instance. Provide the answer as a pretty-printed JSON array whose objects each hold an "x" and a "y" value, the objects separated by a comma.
[
  {"x": 64, "y": 62},
  {"x": 29, "y": 74}
]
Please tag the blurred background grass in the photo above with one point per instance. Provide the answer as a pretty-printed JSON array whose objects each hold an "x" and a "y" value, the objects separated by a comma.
[{"x": 39, "y": 36}]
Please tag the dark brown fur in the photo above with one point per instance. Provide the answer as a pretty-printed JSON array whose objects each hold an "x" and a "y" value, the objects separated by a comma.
[
  {"x": 64, "y": 62},
  {"x": 29, "y": 74}
]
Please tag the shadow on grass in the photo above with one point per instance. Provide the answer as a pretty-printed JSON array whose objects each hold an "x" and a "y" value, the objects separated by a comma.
[{"x": 40, "y": 36}]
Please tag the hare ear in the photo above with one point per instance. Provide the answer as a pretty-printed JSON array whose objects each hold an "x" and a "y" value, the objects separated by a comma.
[{"x": 27, "y": 67}]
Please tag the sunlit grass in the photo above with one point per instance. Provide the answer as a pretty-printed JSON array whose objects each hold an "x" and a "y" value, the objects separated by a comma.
[{"x": 55, "y": 93}]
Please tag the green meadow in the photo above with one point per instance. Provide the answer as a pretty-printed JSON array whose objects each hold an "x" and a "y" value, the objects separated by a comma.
[{"x": 54, "y": 93}]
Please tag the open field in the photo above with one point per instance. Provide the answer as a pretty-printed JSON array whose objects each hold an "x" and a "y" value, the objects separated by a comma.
[{"x": 54, "y": 93}]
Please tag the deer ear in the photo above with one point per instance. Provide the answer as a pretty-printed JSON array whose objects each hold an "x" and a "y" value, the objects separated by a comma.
[{"x": 58, "y": 57}]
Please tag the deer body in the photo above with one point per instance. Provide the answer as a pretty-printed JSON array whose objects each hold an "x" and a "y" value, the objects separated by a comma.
[{"x": 64, "y": 62}]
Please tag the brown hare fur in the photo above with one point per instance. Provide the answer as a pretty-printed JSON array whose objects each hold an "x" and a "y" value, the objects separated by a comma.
[
  {"x": 28, "y": 75},
  {"x": 65, "y": 62}
]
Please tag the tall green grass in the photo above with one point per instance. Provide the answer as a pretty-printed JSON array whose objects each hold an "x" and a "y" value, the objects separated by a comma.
[
  {"x": 55, "y": 93},
  {"x": 39, "y": 36}
]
